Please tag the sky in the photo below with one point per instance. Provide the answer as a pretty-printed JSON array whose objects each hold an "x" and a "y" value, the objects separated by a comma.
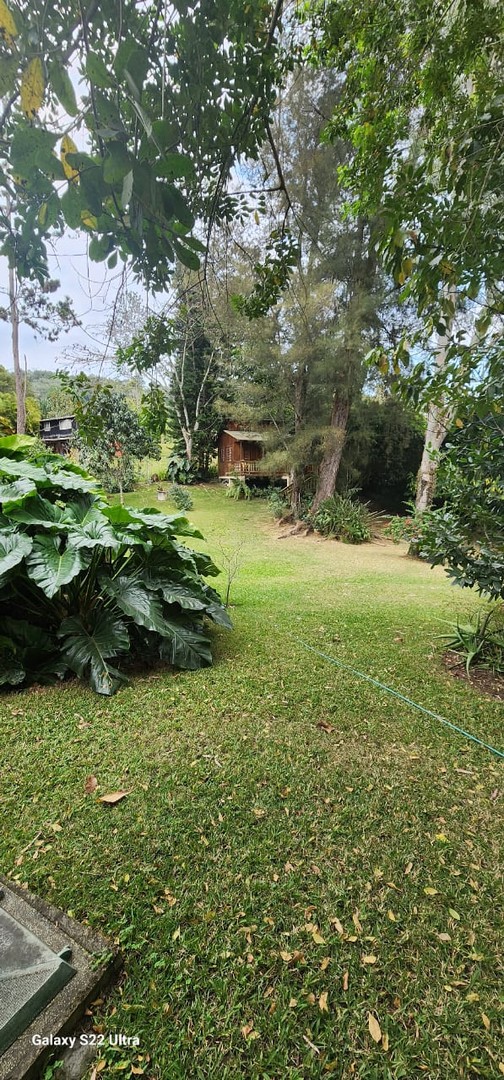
[{"x": 92, "y": 289}]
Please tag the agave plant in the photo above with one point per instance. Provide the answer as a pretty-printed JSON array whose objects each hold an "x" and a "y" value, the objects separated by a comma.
[{"x": 83, "y": 583}]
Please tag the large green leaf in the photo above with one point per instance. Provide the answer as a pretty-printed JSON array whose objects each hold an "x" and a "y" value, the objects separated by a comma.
[
  {"x": 51, "y": 565},
  {"x": 16, "y": 442},
  {"x": 12, "y": 467},
  {"x": 70, "y": 481},
  {"x": 205, "y": 565},
  {"x": 39, "y": 512},
  {"x": 94, "y": 532},
  {"x": 135, "y": 600},
  {"x": 14, "y": 546},
  {"x": 185, "y": 648},
  {"x": 86, "y": 648},
  {"x": 181, "y": 594},
  {"x": 176, "y": 524},
  {"x": 12, "y": 494}
]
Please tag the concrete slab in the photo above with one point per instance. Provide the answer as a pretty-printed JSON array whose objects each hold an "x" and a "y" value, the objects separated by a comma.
[{"x": 94, "y": 958}]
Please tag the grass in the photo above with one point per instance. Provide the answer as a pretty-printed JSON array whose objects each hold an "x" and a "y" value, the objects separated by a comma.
[{"x": 262, "y": 863}]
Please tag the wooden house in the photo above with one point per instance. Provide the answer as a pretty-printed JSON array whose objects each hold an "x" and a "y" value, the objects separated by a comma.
[
  {"x": 241, "y": 453},
  {"x": 58, "y": 432}
]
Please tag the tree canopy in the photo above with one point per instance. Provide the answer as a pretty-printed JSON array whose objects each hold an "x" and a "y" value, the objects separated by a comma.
[
  {"x": 421, "y": 104},
  {"x": 124, "y": 120}
]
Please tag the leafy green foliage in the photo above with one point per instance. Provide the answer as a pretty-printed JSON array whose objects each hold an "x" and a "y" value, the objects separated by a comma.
[
  {"x": 183, "y": 367},
  {"x": 179, "y": 470},
  {"x": 8, "y": 413},
  {"x": 181, "y": 498},
  {"x": 421, "y": 106},
  {"x": 168, "y": 106},
  {"x": 277, "y": 503},
  {"x": 111, "y": 437},
  {"x": 466, "y": 534},
  {"x": 82, "y": 582},
  {"x": 238, "y": 489},
  {"x": 480, "y": 640},
  {"x": 342, "y": 517}
]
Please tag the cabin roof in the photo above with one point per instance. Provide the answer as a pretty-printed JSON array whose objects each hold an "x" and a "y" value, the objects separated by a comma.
[
  {"x": 245, "y": 436},
  {"x": 56, "y": 419}
]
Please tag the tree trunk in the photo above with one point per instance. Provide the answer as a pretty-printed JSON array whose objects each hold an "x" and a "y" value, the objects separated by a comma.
[
  {"x": 297, "y": 474},
  {"x": 329, "y": 468},
  {"x": 437, "y": 423},
  {"x": 20, "y": 381}
]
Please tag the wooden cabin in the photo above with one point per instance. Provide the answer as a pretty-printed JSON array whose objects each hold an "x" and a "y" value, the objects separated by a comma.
[
  {"x": 58, "y": 432},
  {"x": 241, "y": 453}
]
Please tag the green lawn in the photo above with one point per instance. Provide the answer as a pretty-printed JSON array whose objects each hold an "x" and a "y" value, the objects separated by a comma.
[{"x": 272, "y": 883}]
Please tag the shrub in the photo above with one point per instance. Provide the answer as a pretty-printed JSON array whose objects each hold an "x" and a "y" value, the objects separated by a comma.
[
  {"x": 179, "y": 470},
  {"x": 181, "y": 498},
  {"x": 277, "y": 502},
  {"x": 343, "y": 518},
  {"x": 238, "y": 488},
  {"x": 480, "y": 640},
  {"x": 82, "y": 582},
  {"x": 407, "y": 528}
]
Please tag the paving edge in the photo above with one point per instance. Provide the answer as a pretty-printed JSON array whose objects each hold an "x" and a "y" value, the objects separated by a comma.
[{"x": 23, "y": 1060}]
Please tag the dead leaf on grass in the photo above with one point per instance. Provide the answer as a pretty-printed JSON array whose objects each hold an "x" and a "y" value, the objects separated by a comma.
[
  {"x": 369, "y": 959},
  {"x": 486, "y": 1021},
  {"x": 317, "y": 937},
  {"x": 322, "y": 1002},
  {"x": 345, "y": 980},
  {"x": 328, "y": 728},
  {"x": 374, "y": 1028},
  {"x": 90, "y": 784},
  {"x": 337, "y": 925},
  {"x": 324, "y": 964},
  {"x": 113, "y": 797}
]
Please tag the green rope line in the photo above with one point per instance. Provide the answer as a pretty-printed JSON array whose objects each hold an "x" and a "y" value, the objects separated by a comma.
[{"x": 395, "y": 693}]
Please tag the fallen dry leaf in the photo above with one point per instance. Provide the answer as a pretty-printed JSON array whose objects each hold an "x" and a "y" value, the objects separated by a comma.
[
  {"x": 408, "y": 868},
  {"x": 486, "y": 1021},
  {"x": 90, "y": 784},
  {"x": 454, "y": 914},
  {"x": 444, "y": 937},
  {"x": 322, "y": 1002},
  {"x": 113, "y": 797},
  {"x": 247, "y": 1029},
  {"x": 345, "y": 980},
  {"x": 369, "y": 959},
  {"x": 336, "y": 923},
  {"x": 357, "y": 923},
  {"x": 324, "y": 964},
  {"x": 385, "y": 1041},
  {"x": 374, "y": 1028},
  {"x": 328, "y": 728},
  {"x": 317, "y": 937},
  {"x": 292, "y": 1003},
  {"x": 429, "y": 891}
]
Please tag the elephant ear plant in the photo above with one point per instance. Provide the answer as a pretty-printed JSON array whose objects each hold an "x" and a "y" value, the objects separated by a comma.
[{"x": 83, "y": 583}]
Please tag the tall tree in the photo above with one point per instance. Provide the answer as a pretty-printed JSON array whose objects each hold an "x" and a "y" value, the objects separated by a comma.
[
  {"x": 181, "y": 361},
  {"x": 421, "y": 105},
  {"x": 328, "y": 309},
  {"x": 110, "y": 436}
]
